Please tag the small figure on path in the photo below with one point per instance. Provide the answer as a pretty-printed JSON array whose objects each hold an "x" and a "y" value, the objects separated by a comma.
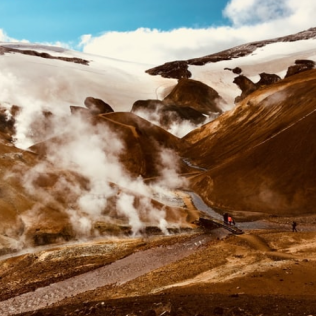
[
  {"x": 230, "y": 220},
  {"x": 294, "y": 224},
  {"x": 225, "y": 218}
]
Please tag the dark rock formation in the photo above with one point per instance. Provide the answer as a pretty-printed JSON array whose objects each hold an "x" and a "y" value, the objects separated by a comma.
[
  {"x": 97, "y": 106},
  {"x": 246, "y": 86},
  {"x": 300, "y": 65},
  {"x": 169, "y": 70},
  {"x": 176, "y": 69},
  {"x": 147, "y": 105},
  {"x": 236, "y": 70},
  {"x": 267, "y": 79},
  {"x": 169, "y": 114},
  {"x": 76, "y": 60},
  {"x": 7, "y": 121},
  {"x": 307, "y": 62},
  {"x": 173, "y": 113},
  {"x": 195, "y": 94},
  {"x": 189, "y": 100}
]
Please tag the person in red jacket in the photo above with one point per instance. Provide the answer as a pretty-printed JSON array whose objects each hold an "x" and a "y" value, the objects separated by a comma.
[{"x": 230, "y": 220}]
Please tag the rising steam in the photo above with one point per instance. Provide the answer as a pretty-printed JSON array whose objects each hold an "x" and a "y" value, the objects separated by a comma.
[{"x": 108, "y": 193}]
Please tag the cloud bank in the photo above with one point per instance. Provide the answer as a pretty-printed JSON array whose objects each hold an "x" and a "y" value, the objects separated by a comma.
[{"x": 251, "y": 20}]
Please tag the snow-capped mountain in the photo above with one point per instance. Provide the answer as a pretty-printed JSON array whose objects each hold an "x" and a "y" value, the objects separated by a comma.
[{"x": 78, "y": 160}]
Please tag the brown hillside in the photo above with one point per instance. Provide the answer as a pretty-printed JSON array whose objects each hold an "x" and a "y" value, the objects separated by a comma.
[
  {"x": 36, "y": 195},
  {"x": 29, "y": 203},
  {"x": 143, "y": 143},
  {"x": 260, "y": 156}
]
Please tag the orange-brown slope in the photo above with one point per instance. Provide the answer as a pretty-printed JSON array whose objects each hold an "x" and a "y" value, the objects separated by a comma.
[
  {"x": 13, "y": 199},
  {"x": 24, "y": 201},
  {"x": 144, "y": 143},
  {"x": 35, "y": 193},
  {"x": 260, "y": 156}
]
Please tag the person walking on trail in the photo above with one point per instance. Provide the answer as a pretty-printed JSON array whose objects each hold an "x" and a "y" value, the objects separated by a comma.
[
  {"x": 225, "y": 218},
  {"x": 294, "y": 224},
  {"x": 230, "y": 220}
]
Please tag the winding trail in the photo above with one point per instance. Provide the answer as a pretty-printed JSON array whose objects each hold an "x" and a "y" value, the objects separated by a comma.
[{"x": 119, "y": 272}]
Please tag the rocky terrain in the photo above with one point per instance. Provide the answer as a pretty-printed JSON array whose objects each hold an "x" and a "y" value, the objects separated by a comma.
[
  {"x": 265, "y": 271},
  {"x": 101, "y": 199},
  {"x": 180, "y": 69}
]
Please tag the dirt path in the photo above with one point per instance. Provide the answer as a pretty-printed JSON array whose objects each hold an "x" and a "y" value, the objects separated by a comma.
[
  {"x": 118, "y": 272},
  {"x": 256, "y": 242}
]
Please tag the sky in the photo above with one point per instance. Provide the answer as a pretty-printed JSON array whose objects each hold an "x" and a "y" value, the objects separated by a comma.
[{"x": 152, "y": 32}]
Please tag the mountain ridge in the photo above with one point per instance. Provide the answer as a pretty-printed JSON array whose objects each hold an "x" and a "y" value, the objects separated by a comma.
[{"x": 179, "y": 69}]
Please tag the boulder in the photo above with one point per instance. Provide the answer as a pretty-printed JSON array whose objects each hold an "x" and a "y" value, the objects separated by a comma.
[
  {"x": 147, "y": 105},
  {"x": 176, "y": 70},
  {"x": 300, "y": 66},
  {"x": 196, "y": 95},
  {"x": 166, "y": 115},
  {"x": 97, "y": 106},
  {"x": 246, "y": 86},
  {"x": 267, "y": 79},
  {"x": 236, "y": 70}
]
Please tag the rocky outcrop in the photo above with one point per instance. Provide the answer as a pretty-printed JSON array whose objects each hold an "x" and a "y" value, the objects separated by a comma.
[
  {"x": 147, "y": 105},
  {"x": 169, "y": 70},
  {"x": 97, "y": 106},
  {"x": 236, "y": 70},
  {"x": 190, "y": 100},
  {"x": 167, "y": 115},
  {"x": 176, "y": 69},
  {"x": 195, "y": 94},
  {"x": 7, "y": 121},
  {"x": 245, "y": 85},
  {"x": 300, "y": 66},
  {"x": 267, "y": 79},
  {"x": 93, "y": 107},
  {"x": 76, "y": 60}
]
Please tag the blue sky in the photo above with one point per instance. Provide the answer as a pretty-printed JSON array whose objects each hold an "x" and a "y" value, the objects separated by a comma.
[
  {"x": 149, "y": 31},
  {"x": 67, "y": 20}
]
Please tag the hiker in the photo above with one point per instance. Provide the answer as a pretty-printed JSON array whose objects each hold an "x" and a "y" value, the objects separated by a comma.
[
  {"x": 230, "y": 220},
  {"x": 294, "y": 224},
  {"x": 225, "y": 218}
]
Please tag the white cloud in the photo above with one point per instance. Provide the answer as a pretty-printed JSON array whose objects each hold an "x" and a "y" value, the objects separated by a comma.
[
  {"x": 251, "y": 20},
  {"x": 5, "y": 38},
  {"x": 242, "y": 12}
]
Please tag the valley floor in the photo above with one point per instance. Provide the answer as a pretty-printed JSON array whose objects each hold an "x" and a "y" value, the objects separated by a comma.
[{"x": 262, "y": 272}]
